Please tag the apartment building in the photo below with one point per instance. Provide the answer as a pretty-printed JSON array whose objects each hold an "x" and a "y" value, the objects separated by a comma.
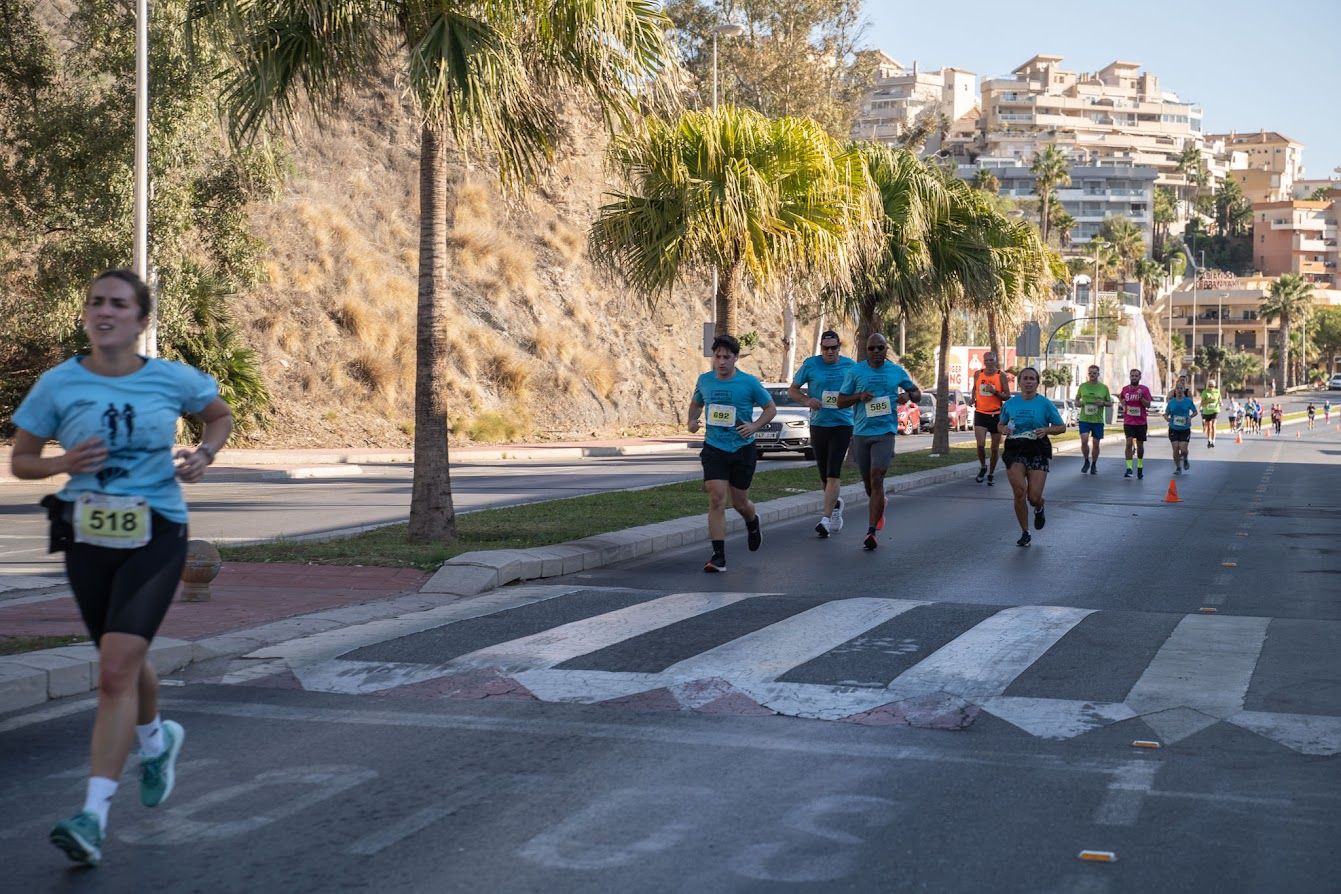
[
  {"x": 901, "y": 94},
  {"x": 1097, "y": 191},
  {"x": 1267, "y": 163},
  {"x": 1298, "y": 236},
  {"x": 1118, "y": 113}
]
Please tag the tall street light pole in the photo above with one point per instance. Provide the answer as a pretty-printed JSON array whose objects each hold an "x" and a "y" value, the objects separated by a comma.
[
  {"x": 727, "y": 30},
  {"x": 149, "y": 340}
]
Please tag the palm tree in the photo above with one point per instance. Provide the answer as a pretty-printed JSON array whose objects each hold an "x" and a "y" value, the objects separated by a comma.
[
  {"x": 483, "y": 75},
  {"x": 1290, "y": 298},
  {"x": 1063, "y": 223},
  {"x": 1125, "y": 237},
  {"x": 1150, "y": 274},
  {"x": 1051, "y": 169},
  {"x": 893, "y": 276},
  {"x": 751, "y": 197},
  {"x": 985, "y": 180},
  {"x": 1104, "y": 262}
]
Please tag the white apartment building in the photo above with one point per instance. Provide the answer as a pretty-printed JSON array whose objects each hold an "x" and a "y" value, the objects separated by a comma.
[
  {"x": 1266, "y": 164},
  {"x": 1118, "y": 113},
  {"x": 901, "y": 94}
]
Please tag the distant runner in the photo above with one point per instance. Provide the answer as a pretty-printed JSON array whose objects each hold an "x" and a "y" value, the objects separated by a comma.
[
  {"x": 1027, "y": 419},
  {"x": 1179, "y": 412},
  {"x": 1135, "y": 400},
  {"x": 1091, "y": 398},
  {"x": 729, "y": 454},
  {"x": 872, "y": 387},
  {"x": 1312, "y": 413},
  {"x": 991, "y": 386},
  {"x": 830, "y": 425},
  {"x": 1277, "y": 415},
  {"x": 1210, "y": 408}
]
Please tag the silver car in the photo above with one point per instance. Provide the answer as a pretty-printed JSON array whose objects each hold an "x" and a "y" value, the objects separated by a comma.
[{"x": 790, "y": 429}]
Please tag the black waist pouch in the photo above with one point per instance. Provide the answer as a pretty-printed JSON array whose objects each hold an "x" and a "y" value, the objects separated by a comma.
[{"x": 61, "y": 515}]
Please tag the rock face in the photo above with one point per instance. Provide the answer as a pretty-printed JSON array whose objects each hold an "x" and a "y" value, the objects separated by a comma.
[{"x": 543, "y": 345}]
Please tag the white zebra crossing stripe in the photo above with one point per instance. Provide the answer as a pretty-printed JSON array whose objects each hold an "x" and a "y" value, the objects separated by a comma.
[
  {"x": 1305, "y": 733},
  {"x": 984, "y": 661},
  {"x": 1055, "y": 718},
  {"x": 1206, "y": 664},
  {"x": 769, "y": 653},
  {"x": 568, "y": 641}
]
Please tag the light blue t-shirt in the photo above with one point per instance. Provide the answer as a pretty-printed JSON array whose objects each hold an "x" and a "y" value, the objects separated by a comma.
[
  {"x": 136, "y": 417},
  {"x": 1180, "y": 408},
  {"x": 726, "y": 404},
  {"x": 1029, "y": 415},
  {"x": 823, "y": 381},
  {"x": 880, "y": 415}
]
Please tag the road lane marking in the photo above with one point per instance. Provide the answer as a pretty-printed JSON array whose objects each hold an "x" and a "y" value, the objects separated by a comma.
[
  {"x": 1206, "y": 665},
  {"x": 380, "y": 840},
  {"x": 1121, "y": 805}
]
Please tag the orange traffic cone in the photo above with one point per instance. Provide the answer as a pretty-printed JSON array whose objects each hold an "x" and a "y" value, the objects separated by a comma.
[
  {"x": 1238, "y": 437},
  {"x": 1171, "y": 495}
]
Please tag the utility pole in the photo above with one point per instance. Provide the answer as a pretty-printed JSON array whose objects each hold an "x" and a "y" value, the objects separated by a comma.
[
  {"x": 149, "y": 340},
  {"x": 727, "y": 30}
]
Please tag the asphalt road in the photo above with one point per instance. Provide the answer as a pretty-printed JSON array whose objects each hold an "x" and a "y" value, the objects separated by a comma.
[{"x": 948, "y": 713}]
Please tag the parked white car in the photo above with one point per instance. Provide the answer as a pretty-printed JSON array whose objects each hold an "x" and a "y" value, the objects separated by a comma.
[{"x": 790, "y": 428}]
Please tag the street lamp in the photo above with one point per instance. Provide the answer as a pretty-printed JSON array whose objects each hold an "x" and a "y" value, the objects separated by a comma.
[
  {"x": 727, "y": 30},
  {"x": 149, "y": 340}
]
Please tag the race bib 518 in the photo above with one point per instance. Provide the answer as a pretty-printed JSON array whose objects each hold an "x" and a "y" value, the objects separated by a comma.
[{"x": 116, "y": 522}]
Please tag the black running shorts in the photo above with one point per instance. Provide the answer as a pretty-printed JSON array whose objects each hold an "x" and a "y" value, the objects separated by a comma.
[
  {"x": 736, "y": 468},
  {"x": 1135, "y": 431},
  {"x": 986, "y": 420},
  {"x": 830, "y": 443},
  {"x": 125, "y": 590},
  {"x": 1034, "y": 455},
  {"x": 1179, "y": 436}
]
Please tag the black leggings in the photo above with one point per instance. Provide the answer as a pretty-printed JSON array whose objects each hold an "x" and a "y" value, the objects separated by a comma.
[
  {"x": 127, "y": 590},
  {"x": 830, "y": 443}
]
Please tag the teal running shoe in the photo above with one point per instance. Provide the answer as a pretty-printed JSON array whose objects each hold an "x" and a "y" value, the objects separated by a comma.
[
  {"x": 80, "y": 837},
  {"x": 159, "y": 774}
]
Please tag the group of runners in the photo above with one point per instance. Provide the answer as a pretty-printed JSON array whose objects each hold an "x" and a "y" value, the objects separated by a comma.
[{"x": 855, "y": 404}]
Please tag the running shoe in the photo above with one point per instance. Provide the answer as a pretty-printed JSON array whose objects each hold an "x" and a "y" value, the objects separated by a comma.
[
  {"x": 989, "y": 480},
  {"x": 1126, "y": 474},
  {"x": 1085, "y": 468},
  {"x": 1039, "y": 519},
  {"x": 715, "y": 565},
  {"x": 869, "y": 543},
  {"x": 753, "y": 536},
  {"x": 982, "y": 473},
  {"x": 1140, "y": 474},
  {"x": 80, "y": 837},
  {"x": 159, "y": 774},
  {"x": 1211, "y": 444},
  {"x": 880, "y": 525},
  {"x": 1186, "y": 465},
  {"x": 836, "y": 519},
  {"x": 1094, "y": 469},
  {"x": 1177, "y": 469},
  {"x": 1025, "y": 539},
  {"x": 822, "y": 527}
]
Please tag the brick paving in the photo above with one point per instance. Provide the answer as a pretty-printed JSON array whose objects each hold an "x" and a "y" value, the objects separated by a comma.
[{"x": 245, "y": 594}]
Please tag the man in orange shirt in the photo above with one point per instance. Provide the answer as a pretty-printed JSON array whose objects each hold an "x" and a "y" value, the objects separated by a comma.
[{"x": 990, "y": 388}]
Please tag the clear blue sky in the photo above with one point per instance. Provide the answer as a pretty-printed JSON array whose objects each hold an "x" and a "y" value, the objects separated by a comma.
[{"x": 1247, "y": 72}]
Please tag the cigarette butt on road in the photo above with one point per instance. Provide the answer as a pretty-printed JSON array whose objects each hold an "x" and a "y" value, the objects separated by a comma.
[
  {"x": 1144, "y": 743},
  {"x": 1207, "y": 610},
  {"x": 1098, "y": 856}
]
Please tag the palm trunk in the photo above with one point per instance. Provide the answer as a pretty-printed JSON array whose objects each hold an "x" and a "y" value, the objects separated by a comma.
[
  {"x": 789, "y": 335},
  {"x": 432, "y": 516},
  {"x": 994, "y": 335},
  {"x": 940, "y": 432},
  {"x": 1043, "y": 203},
  {"x": 868, "y": 322},
  {"x": 1284, "y": 352},
  {"x": 728, "y": 322}
]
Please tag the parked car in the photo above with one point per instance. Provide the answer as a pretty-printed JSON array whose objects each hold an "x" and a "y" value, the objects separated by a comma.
[
  {"x": 926, "y": 413},
  {"x": 1157, "y": 404},
  {"x": 961, "y": 414},
  {"x": 789, "y": 431},
  {"x": 1066, "y": 408},
  {"x": 1334, "y": 383},
  {"x": 910, "y": 418}
]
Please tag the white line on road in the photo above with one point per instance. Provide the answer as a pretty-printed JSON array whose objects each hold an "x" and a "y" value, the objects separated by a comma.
[
  {"x": 1121, "y": 806},
  {"x": 1206, "y": 664},
  {"x": 416, "y": 822},
  {"x": 42, "y": 715}
]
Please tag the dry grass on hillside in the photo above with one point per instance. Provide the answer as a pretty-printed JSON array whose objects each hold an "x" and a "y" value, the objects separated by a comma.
[{"x": 540, "y": 344}]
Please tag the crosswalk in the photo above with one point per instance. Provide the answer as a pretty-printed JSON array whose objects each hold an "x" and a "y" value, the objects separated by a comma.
[{"x": 1054, "y": 672}]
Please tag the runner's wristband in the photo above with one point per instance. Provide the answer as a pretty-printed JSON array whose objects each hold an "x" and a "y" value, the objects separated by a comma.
[{"x": 208, "y": 451}]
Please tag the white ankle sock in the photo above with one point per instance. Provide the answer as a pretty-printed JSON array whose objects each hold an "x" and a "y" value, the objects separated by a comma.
[
  {"x": 98, "y": 797},
  {"x": 151, "y": 737}
]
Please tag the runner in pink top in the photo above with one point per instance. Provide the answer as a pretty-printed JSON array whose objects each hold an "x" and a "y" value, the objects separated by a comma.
[{"x": 1134, "y": 400}]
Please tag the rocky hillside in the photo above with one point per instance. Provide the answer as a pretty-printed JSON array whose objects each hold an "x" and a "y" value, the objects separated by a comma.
[{"x": 542, "y": 344}]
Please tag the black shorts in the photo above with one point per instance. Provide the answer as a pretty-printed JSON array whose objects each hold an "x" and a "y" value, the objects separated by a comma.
[
  {"x": 1178, "y": 436},
  {"x": 986, "y": 420},
  {"x": 122, "y": 590},
  {"x": 1135, "y": 431},
  {"x": 736, "y": 468},
  {"x": 1034, "y": 455},
  {"x": 1208, "y": 417},
  {"x": 830, "y": 443}
]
